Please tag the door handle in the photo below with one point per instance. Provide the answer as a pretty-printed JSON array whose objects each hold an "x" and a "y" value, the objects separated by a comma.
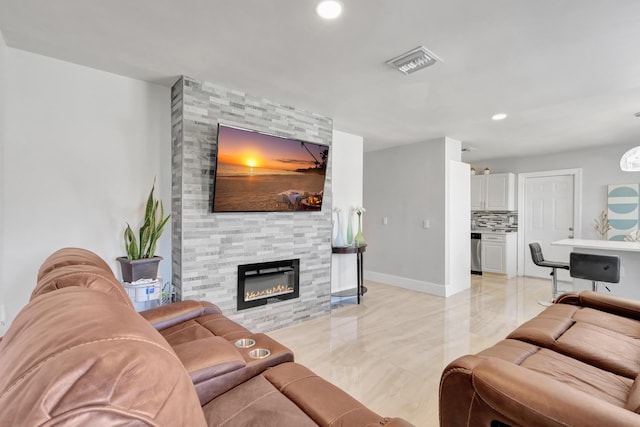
[{"x": 570, "y": 232}]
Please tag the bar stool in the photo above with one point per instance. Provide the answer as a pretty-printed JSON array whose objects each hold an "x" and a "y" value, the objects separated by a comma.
[
  {"x": 538, "y": 259},
  {"x": 597, "y": 268}
]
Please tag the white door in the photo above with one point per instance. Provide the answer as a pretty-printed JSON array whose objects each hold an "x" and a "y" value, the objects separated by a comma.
[{"x": 548, "y": 216}]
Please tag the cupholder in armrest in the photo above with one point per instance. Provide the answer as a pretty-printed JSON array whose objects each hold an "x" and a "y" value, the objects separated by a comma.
[
  {"x": 266, "y": 352},
  {"x": 245, "y": 343},
  {"x": 259, "y": 353}
]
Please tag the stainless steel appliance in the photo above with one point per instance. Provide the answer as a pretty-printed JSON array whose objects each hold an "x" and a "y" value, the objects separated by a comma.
[{"x": 476, "y": 254}]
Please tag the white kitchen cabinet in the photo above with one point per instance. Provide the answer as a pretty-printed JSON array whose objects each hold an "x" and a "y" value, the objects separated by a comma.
[
  {"x": 477, "y": 192},
  {"x": 493, "y": 192},
  {"x": 499, "y": 253}
]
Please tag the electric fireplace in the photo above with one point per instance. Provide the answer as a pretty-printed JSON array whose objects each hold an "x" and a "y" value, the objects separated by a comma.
[{"x": 268, "y": 282}]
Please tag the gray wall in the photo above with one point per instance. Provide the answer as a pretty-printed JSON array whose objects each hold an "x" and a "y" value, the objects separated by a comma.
[
  {"x": 407, "y": 185},
  {"x": 207, "y": 247},
  {"x": 600, "y": 167}
]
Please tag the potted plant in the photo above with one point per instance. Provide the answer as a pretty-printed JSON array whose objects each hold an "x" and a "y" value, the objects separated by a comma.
[{"x": 141, "y": 261}]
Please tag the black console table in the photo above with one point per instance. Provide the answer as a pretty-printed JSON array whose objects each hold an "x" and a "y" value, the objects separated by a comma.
[{"x": 359, "y": 251}]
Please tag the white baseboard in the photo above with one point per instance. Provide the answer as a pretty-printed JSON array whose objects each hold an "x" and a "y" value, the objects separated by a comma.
[{"x": 403, "y": 282}]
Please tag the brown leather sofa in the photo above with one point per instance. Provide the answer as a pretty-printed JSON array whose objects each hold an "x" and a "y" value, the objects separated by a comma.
[
  {"x": 575, "y": 364},
  {"x": 79, "y": 354}
]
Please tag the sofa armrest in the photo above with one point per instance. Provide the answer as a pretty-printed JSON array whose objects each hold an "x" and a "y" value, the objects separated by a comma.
[
  {"x": 526, "y": 397},
  {"x": 212, "y": 363},
  {"x": 209, "y": 386},
  {"x": 322, "y": 401},
  {"x": 209, "y": 357},
  {"x": 166, "y": 316},
  {"x": 608, "y": 303}
]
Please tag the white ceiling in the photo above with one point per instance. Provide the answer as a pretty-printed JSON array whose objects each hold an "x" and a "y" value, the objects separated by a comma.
[{"x": 566, "y": 71}]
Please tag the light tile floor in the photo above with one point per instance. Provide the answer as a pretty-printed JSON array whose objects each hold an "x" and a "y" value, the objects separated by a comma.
[{"x": 389, "y": 351}]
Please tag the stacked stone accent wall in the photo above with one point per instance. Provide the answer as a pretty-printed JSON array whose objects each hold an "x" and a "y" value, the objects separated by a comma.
[{"x": 208, "y": 247}]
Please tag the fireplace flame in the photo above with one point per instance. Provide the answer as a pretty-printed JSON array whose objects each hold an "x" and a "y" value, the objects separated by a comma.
[{"x": 276, "y": 290}]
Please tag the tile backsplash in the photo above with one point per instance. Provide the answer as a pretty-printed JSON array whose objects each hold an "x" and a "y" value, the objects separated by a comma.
[{"x": 507, "y": 220}]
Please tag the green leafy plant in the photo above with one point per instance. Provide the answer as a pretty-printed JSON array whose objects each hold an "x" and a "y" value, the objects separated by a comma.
[{"x": 150, "y": 231}]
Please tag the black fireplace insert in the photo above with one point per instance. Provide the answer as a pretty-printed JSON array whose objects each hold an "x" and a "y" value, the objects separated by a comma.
[{"x": 268, "y": 282}]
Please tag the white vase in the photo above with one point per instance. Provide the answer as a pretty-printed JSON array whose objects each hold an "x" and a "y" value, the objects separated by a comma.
[
  {"x": 359, "y": 236},
  {"x": 350, "y": 229},
  {"x": 338, "y": 241}
]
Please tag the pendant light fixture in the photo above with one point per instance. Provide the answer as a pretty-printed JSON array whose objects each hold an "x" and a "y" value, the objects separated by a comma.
[{"x": 630, "y": 161}]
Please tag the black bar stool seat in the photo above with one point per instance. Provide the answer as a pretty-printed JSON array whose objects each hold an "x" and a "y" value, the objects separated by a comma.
[
  {"x": 597, "y": 268},
  {"x": 538, "y": 259}
]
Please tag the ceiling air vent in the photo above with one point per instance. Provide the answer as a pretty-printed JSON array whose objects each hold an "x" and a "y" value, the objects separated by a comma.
[{"x": 414, "y": 60}]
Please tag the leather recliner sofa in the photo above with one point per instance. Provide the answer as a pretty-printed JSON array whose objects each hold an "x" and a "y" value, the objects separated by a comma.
[
  {"x": 575, "y": 364},
  {"x": 79, "y": 354}
]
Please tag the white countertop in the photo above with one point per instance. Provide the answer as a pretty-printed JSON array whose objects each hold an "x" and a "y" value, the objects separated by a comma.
[{"x": 605, "y": 245}]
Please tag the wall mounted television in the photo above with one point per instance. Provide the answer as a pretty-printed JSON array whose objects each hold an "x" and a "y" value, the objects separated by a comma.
[{"x": 256, "y": 172}]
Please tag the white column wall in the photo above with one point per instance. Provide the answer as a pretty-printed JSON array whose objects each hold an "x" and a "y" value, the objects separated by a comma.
[
  {"x": 347, "y": 179},
  {"x": 458, "y": 236}
]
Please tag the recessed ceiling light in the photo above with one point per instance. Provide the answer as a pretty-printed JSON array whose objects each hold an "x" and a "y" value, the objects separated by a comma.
[
  {"x": 499, "y": 116},
  {"x": 329, "y": 9}
]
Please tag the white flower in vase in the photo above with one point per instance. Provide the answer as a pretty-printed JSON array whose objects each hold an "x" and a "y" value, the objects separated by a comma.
[{"x": 359, "y": 239}]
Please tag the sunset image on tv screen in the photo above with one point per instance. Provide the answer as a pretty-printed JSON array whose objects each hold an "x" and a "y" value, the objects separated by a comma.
[{"x": 260, "y": 173}]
